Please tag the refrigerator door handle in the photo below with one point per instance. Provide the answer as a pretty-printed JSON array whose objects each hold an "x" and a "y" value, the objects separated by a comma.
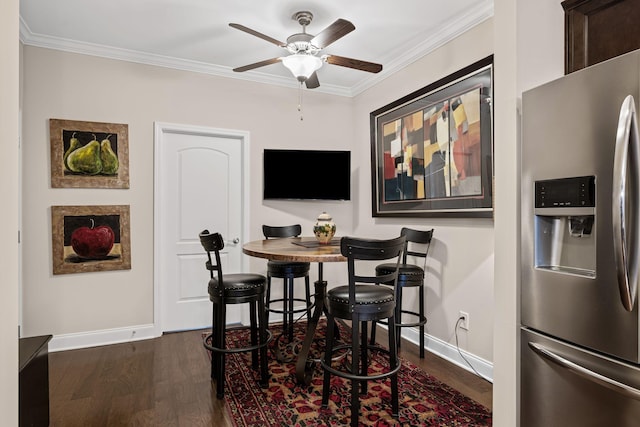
[
  {"x": 625, "y": 213},
  {"x": 586, "y": 373}
]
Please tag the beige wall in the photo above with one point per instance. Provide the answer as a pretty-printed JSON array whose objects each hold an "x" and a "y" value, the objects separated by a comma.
[
  {"x": 462, "y": 253},
  {"x": 507, "y": 223},
  {"x": 9, "y": 119},
  {"x": 80, "y": 87},
  {"x": 529, "y": 45}
]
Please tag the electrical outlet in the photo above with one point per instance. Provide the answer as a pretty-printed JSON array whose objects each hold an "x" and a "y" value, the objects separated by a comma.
[{"x": 464, "y": 323}]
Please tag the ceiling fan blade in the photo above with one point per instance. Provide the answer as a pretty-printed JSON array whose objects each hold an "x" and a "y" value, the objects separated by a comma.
[
  {"x": 257, "y": 34},
  {"x": 257, "y": 65},
  {"x": 312, "y": 82},
  {"x": 353, "y": 63},
  {"x": 333, "y": 32}
]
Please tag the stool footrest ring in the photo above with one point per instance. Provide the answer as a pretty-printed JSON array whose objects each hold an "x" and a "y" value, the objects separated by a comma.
[
  {"x": 351, "y": 375},
  {"x": 422, "y": 320},
  {"x": 280, "y": 311},
  {"x": 235, "y": 350}
]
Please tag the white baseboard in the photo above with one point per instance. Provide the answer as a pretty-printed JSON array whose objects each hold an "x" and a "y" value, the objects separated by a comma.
[
  {"x": 101, "y": 337},
  {"x": 436, "y": 346},
  {"x": 450, "y": 352},
  {"x": 141, "y": 332}
]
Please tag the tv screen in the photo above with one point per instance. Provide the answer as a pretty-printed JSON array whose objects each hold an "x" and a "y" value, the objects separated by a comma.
[{"x": 307, "y": 174}]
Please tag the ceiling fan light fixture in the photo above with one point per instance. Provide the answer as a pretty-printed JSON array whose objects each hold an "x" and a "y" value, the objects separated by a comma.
[
  {"x": 305, "y": 50},
  {"x": 302, "y": 65}
]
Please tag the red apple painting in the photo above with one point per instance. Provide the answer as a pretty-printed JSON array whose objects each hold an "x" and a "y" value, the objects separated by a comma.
[
  {"x": 90, "y": 238},
  {"x": 92, "y": 242}
]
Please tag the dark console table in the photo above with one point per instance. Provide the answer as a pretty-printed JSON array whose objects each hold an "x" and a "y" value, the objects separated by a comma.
[{"x": 34, "y": 380}]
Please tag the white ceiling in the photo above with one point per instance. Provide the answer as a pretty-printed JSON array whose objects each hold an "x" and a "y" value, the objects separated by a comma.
[{"x": 194, "y": 35}]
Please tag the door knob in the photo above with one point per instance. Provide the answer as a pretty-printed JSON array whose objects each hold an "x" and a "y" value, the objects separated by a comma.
[{"x": 236, "y": 240}]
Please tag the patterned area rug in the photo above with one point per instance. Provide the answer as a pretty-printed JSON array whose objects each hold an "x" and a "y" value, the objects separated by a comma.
[{"x": 424, "y": 401}]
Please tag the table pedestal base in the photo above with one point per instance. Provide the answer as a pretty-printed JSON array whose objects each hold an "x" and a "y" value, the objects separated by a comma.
[{"x": 304, "y": 366}]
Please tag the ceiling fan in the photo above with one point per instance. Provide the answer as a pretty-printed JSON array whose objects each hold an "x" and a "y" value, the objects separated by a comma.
[{"x": 305, "y": 59}]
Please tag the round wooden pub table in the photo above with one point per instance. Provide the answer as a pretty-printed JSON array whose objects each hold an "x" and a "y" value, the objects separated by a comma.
[{"x": 301, "y": 249}]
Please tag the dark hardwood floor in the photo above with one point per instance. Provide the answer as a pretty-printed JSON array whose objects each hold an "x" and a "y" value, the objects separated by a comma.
[{"x": 165, "y": 382}]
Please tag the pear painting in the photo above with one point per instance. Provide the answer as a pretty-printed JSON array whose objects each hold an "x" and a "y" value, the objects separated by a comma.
[
  {"x": 108, "y": 157},
  {"x": 73, "y": 144},
  {"x": 89, "y": 154},
  {"x": 85, "y": 155}
]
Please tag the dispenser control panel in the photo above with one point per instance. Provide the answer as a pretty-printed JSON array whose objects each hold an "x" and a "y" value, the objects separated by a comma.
[{"x": 566, "y": 192}]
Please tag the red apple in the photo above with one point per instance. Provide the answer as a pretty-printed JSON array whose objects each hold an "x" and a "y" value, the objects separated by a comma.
[{"x": 92, "y": 243}]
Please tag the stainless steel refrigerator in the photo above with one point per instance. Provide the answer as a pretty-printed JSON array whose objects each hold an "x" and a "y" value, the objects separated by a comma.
[{"x": 580, "y": 342}]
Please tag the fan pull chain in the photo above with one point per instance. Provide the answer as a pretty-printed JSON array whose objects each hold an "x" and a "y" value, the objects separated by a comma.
[{"x": 300, "y": 101}]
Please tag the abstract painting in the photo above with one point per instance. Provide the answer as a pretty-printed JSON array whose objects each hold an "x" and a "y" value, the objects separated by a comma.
[{"x": 432, "y": 149}]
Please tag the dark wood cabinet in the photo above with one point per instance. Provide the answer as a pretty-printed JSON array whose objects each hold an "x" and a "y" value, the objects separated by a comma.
[
  {"x": 34, "y": 381},
  {"x": 596, "y": 30}
]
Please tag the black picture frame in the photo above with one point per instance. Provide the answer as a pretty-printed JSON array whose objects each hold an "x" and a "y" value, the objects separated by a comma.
[{"x": 432, "y": 150}]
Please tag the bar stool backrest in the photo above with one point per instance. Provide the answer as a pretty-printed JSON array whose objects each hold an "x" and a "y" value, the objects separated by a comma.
[
  {"x": 418, "y": 237},
  {"x": 270, "y": 231},
  {"x": 370, "y": 250},
  {"x": 213, "y": 243}
]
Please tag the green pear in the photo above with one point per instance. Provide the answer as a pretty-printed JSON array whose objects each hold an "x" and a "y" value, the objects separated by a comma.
[
  {"x": 109, "y": 158},
  {"x": 74, "y": 143},
  {"x": 86, "y": 159}
]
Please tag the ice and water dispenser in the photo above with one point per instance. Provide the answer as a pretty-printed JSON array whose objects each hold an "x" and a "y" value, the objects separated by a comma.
[{"x": 564, "y": 231}]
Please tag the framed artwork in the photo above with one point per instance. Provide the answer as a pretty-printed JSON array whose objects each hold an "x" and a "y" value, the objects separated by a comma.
[
  {"x": 432, "y": 150},
  {"x": 90, "y": 238},
  {"x": 89, "y": 154}
]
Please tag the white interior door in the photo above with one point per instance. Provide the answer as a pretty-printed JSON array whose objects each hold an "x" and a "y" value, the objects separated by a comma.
[{"x": 199, "y": 185}]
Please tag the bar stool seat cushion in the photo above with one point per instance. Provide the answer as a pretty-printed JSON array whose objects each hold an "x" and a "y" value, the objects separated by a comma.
[
  {"x": 239, "y": 285},
  {"x": 367, "y": 294},
  {"x": 408, "y": 274},
  {"x": 287, "y": 269},
  {"x": 380, "y": 299}
]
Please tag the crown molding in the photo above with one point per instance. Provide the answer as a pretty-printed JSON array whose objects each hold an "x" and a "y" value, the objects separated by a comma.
[
  {"x": 442, "y": 35},
  {"x": 30, "y": 38}
]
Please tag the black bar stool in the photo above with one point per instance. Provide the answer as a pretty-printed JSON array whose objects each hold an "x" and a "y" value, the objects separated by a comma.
[
  {"x": 363, "y": 301},
  {"x": 288, "y": 271},
  {"x": 409, "y": 275},
  {"x": 234, "y": 289}
]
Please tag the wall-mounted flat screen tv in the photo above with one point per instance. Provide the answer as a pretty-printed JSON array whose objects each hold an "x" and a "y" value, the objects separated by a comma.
[{"x": 307, "y": 174}]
